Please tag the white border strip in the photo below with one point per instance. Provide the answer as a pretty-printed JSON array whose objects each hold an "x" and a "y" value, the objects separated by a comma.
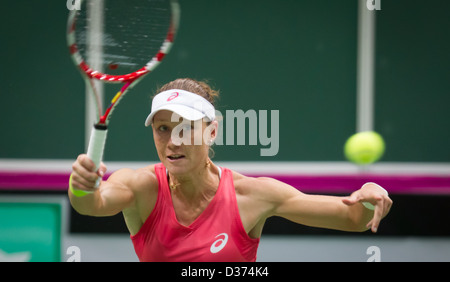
[{"x": 269, "y": 168}]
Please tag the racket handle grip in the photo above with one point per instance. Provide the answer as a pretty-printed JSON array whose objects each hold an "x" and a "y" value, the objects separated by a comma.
[{"x": 97, "y": 145}]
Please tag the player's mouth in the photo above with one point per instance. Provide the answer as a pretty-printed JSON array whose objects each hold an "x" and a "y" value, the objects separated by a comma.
[{"x": 175, "y": 157}]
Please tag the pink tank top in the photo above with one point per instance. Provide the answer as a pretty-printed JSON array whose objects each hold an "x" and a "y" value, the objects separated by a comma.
[{"x": 216, "y": 235}]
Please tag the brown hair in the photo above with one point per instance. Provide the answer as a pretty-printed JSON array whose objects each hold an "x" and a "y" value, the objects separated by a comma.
[{"x": 198, "y": 87}]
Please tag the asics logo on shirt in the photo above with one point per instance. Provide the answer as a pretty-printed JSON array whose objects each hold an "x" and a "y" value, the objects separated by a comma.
[{"x": 220, "y": 243}]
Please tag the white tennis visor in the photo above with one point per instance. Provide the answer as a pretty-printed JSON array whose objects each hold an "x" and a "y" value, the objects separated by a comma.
[{"x": 188, "y": 105}]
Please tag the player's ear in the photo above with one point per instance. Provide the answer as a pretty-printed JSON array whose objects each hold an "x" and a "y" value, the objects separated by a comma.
[
  {"x": 215, "y": 126},
  {"x": 210, "y": 133}
]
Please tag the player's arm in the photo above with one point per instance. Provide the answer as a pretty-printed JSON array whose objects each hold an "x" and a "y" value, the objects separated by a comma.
[
  {"x": 332, "y": 212},
  {"x": 110, "y": 198}
]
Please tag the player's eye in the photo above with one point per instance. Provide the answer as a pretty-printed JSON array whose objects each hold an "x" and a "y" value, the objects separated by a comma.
[{"x": 163, "y": 128}]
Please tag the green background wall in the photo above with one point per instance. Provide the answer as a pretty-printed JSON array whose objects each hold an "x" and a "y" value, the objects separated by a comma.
[{"x": 295, "y": 56}]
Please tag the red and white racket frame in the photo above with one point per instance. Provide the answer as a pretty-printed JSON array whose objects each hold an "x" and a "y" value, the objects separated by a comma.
[{"x": 99, "y": 131}]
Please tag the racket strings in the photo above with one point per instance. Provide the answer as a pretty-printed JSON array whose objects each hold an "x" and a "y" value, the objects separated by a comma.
[{"x": 132, "y": 32}]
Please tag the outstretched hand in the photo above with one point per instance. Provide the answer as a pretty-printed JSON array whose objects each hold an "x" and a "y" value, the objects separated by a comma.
[{"x": 373, "y": 197}]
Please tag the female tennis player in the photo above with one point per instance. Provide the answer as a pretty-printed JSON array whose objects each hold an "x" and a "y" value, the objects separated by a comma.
[{"x": 188, "y": 209}]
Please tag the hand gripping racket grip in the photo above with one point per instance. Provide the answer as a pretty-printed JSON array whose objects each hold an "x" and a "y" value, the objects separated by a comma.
[{"x": 97, "y": 145}]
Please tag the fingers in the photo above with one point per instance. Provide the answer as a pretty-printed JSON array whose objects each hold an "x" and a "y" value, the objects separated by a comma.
[
  {"x": 382, "y": 207},
  {"x": 352, "y": 199},
  {"x": 371, "y": 194},
  {"x": 84, "y": 176},
  {"x": 349, "y": 201},
  {"x": 375, "y": 222},
  {"x": 84, "y": 161},
  {"x": 102, "y": 169}
]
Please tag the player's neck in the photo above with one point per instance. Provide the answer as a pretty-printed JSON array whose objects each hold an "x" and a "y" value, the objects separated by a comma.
[{"x": 197, "y": 185}]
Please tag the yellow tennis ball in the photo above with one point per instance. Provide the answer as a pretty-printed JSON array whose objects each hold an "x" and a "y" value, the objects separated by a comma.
[{"x": 364, "y": 147}]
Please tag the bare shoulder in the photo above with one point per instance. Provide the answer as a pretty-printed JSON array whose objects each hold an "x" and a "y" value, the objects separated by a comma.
[
  {"x": 138, "y": 180},
  {"x": 245, "y": 184},
  {"x": 263, "y": 186}
]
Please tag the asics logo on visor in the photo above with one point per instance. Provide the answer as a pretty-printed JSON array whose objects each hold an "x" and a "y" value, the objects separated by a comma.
[
  {"x": 187, "y": 104},
  {"x": 173, "y": 96}
]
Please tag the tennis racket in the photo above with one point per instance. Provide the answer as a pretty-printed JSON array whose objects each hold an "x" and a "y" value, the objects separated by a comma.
[{"x": 118, "y": 41}]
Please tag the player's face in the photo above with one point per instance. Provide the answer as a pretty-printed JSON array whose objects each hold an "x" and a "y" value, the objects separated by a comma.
[{"x": 181, "y": 145}]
